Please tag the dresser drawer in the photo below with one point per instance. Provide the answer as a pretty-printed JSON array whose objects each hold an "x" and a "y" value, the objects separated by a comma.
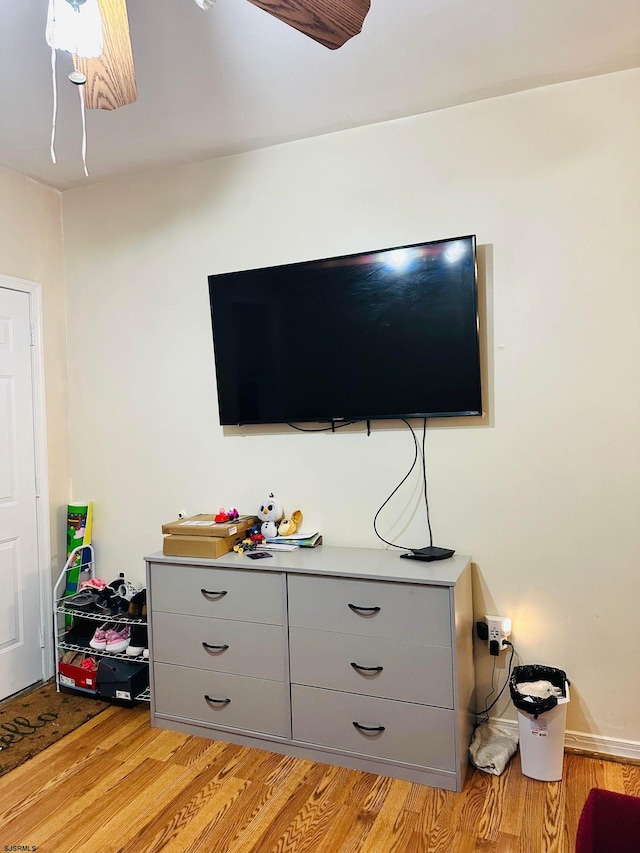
[
  {"x": 254, "y": 704},
  {"x": 410, "y": 672},
  {"x": 224, "y": 593},
  {"x": 413, "y": 734},
  {"x": 409, "y": 612},
  {"x": 252, "y": 648}
]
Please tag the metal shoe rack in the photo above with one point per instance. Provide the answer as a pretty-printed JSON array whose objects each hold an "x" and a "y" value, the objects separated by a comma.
[{"x": 64, "y": 613}]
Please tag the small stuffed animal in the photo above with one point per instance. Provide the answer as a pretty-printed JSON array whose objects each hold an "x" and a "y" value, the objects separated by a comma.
[
  {"x": 270, "y": 514},
  {"x": 288, "y": 526}
]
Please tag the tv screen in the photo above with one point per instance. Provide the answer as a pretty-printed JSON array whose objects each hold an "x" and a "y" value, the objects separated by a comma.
[{"x": 382, "y": 334}]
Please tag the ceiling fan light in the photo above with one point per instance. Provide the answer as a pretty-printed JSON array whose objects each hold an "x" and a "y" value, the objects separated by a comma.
[{"x": 77, "y": 30}]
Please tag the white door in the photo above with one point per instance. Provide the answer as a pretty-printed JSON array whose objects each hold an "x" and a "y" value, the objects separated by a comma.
[{"x": 21, "y": 661}]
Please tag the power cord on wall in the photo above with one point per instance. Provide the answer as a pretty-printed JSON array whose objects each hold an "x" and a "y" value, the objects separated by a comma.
[
  {"x": 335, "y": 426},
  {"x": 404, "y": 479},
  {"x": 484, "y": 713}
]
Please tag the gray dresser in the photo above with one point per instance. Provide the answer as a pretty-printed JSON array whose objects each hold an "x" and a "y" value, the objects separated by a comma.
[{"x": 346, "y": 656}]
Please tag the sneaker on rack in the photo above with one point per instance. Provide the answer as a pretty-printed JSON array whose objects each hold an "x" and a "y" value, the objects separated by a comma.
[
  {"x": 92, "y": 583},
  {"x": 138, "y": 643},
  {"x": 128, "y": 589},
  {"x": 125, "y": 588},
  {"x": 86, "y": 601},
  {"x": 138, "y": 604},
  {"x": 99, "y": 639},
  {"x": 109, "y": 602},
  {"x": 118, "y": 639}
]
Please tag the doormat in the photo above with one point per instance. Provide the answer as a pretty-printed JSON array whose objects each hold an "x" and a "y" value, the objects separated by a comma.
[{"x": 32, "y": 721}]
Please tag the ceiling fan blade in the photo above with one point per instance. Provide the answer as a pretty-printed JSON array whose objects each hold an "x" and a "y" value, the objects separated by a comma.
[
  {"x": 330, "y": 22},
  {"x": 111, "y": 81}
]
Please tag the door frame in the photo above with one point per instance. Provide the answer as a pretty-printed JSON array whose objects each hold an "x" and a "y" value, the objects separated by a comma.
[{"x": 43, "y": 515}]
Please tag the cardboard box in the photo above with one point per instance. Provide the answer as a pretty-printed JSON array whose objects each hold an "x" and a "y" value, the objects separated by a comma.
[
  {"x": 199, "y": 546},
  {"x": 205, "y": 525},
  {"x": 118, "y": 679}
]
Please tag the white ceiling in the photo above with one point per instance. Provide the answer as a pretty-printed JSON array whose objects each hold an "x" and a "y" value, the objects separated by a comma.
[{"x": 234, "y": 78}]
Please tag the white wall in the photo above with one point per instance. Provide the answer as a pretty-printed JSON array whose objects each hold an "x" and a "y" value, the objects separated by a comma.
[
  {"x": 543, "y": 493},
  {"x": 31, "y": 248}
]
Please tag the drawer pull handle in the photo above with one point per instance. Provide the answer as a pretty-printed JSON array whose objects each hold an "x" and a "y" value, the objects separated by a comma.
[
  {"x": 211, "y": 648},
  {"x": 216, "y": 701},
  {"x": 210, "y": 593},
  {"x": 366, "y": 668},
  {"x": 362, "y": 728},
  {"x": 357, "y": 609}
]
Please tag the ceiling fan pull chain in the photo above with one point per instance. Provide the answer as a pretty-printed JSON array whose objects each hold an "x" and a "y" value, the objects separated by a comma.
[
  {"x": 84, "y": 130},
  {"x": 55, "y": 105}
]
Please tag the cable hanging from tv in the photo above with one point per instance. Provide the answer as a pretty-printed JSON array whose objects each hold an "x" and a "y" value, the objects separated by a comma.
[{"x": 430, "y": 552}]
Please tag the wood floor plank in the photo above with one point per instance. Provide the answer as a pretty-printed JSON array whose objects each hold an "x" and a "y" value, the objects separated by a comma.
[
  {"x": 204, "y": 785},
  {"x": 208, "y": 805},
  {"x": 444, "y": 834},
  {"x": 435, "y": 801},
  {"x": 348, "y": 831},
  {"x": 493, "y": 809},
  {"x": 21, "y": 793},
  {"x": 477, "y": 792},
  {"x": 631, "y": 780},
  {"x": 553, "y": 839},
  {"x": 311, "y": 821},
  {"x": 581, "y": 772},
  {"x": 279, "y": 811},
  {"x": 455, "y": 842},
  {"x": 116, "y": 823},
  {"x": 218, "y": 834},
  {"x": 158, "y": 744},
  {"x": 307, "y": 827},
  {"x": 248, "y": 816},
  {"x": 196, "y": 751},
  {"x": 74, "y": 821},
  {"x": 506, "y": 843},
  {"x": 512, "y": 815},
  {"x": 368, "y": 792},
  {"x": 394, "y": 825}
]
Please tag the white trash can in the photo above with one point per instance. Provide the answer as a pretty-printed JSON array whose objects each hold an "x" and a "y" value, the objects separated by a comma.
[
  {"x": 541, "y": 695},
  {"x": 542, "y": 741}
]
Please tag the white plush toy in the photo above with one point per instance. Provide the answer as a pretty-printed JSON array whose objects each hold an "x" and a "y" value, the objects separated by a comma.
[{"x": 270, "y": 514}]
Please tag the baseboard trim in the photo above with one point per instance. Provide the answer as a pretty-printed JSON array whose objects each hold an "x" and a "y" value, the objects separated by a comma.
[{"x": 596, "y": 746}]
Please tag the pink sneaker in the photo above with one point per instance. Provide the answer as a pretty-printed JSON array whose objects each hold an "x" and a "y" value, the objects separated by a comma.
[
  {"x": 118, "y": 639},
  {"x": 92, "y": 583},
  {"x": 99, "y": 639}
]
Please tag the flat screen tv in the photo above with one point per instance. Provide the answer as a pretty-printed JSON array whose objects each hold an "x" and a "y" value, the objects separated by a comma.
[{"x": 391, "y": 333}]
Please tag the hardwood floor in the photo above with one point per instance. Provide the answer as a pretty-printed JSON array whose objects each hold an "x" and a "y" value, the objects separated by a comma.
[{"x": 115, "y": 785}]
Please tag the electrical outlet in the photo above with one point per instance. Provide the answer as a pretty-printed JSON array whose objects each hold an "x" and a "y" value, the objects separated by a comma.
[
  {"x": 499, "y": 629},
  {"x": 494, "y": 623}
]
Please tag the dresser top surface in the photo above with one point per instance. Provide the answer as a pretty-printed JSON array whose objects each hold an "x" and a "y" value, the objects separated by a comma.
[{"x": 369, "y": 563}]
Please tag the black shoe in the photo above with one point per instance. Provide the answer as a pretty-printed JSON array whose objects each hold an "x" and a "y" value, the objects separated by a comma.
[
  {"x": 86, "y": 600},
  {"x": 111, "y": 604},
  {"x": 138, "y": 642},
  {"x": 138, "y": 604}
]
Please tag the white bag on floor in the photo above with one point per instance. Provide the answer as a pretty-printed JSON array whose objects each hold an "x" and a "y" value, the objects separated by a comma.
[{"x": 492, "y": 747}]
